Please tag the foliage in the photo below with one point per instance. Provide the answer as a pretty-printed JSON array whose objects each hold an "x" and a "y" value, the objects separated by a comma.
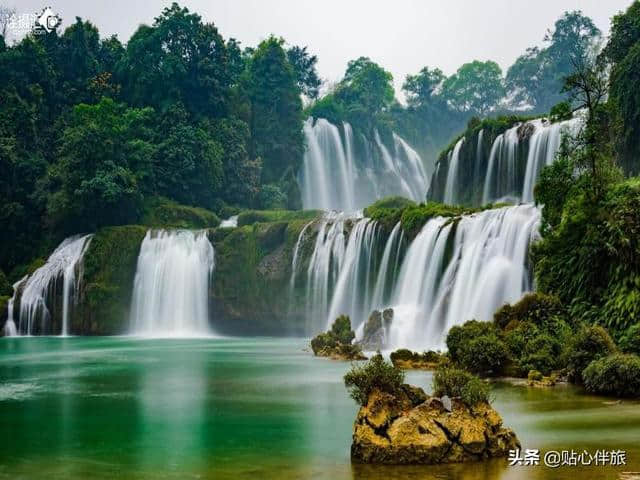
[
  {"x": 339, "y": 334},
  {"x": 429, "y": 356},
  {"x": 304, "y": 67},
  {"x": 535, "y": 80},
  {"x": 163, "y": 213},
  {"x": 560, "y": 112},
  {"x": 276, "y": 110},
  {"x": 536, "y": 308},
  {"x": 476, "y": 87},
  {"x": 617, "y": 375},
  {"x": 378, "y": 374},
  {"x": 477, "y": 347},
  {"x": 387, "y": 211},
  {"x": 630, "y": 341},
  {"x": 5, "y": 287},
  {"x": 590, "y": 343},
  {"x": 454, "y": 382},
  {"x": 249, "y": 217}
]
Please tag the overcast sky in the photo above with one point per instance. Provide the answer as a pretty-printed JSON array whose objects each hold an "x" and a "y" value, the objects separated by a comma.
[{"x": 401, "y": 35}]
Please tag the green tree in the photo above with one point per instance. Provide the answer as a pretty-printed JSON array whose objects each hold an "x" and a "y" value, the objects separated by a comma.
[
  {"x": 104, "y": 157},
  {"x": 304, "y": 66},
  {"x": 276, "y": 110},
  {"x": 422, "y": 89},
  {"x": 476, "y": 87}
]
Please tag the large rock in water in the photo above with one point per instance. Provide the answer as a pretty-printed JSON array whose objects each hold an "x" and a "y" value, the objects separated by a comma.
[
  {"x": 375, "y": 328},
  {"x": 412, "y": 428}
]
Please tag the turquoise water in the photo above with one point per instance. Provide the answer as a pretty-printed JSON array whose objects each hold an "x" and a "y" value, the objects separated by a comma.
[{"x": 243, "y": 408}]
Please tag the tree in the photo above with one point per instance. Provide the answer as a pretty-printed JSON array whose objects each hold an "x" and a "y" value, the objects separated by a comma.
[
  {"x": 535, "y": 80},
  {"x": 476, "y": 87},
  {"x": 276, "y": 110},
  {"x": 177, "y": 60},
  {"x": 104, "y": 160},
  {"x": 304, "y": 66},
  {"x": 422, "y": 89}
]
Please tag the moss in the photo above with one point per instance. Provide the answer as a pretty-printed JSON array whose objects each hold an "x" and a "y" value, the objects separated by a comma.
[
  {"x": 109, "y": 270},
  {"x": 387, "y": 211},
  {"x": 160, "y": 212},
  {"x": 250, "y": 217}
]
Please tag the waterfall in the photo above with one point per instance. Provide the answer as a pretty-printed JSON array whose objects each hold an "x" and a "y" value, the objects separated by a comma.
[
  {"x": 231, "y": 222},
  {"x": 335, "y": 175},
  {"x": 543, "y": 147},
  {"x": 10, "y": 329},
  {"x": 454, "y": 270},
  {"x": 452, "y": 185},
  {"x": 171, "y": 285},
  {"x": 38, "y": 297},
  {"x": 501, "y": 179},
  {"x": 509, "y": 173},
  {"x": 487, "y": 267}
]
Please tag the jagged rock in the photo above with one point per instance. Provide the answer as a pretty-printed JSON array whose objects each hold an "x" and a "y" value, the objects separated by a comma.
[
  {"x": 412, "y": 428},
  {"x": 374, "y": 332}
]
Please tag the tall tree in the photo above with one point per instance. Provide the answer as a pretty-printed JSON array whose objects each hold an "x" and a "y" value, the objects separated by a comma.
[
  {"x": 304, "y": 66},
  {"x": 476, "y": 87}
]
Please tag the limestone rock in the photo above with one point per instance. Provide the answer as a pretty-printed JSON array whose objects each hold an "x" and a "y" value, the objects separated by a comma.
[{"x": 412, "y": 428}]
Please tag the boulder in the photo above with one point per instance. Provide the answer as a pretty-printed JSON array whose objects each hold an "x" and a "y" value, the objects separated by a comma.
[
  {"x": 374, "y": 332},
  {"x": 413, "y": 428}
]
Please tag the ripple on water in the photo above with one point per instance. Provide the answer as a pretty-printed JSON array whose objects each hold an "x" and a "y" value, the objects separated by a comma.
[{"x": 17, "y": 391}]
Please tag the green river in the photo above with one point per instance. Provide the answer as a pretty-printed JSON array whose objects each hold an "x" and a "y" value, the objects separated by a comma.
[{"x": 79, "y": 408}]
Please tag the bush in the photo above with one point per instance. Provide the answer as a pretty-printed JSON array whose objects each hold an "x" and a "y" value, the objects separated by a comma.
[
  {"x": 543, "y": 353},
  {"x": 460, "y": 335},
  {"x": 534, "y": 375},
  {"x": 403, "y": 354},
  {"x": 536, "y": 308},
  {"x": 6, "y": 289},
  {"x": 377, "y": 373},
  {"x": 630, "y": 342},
  {"x": 458, "y": 383},
  {"x": 617, "y": 375},
  {"x": 590, "y": 343},
  {"x": 485, "y": 355},
  {"x": 339, "y": 334},
  {"x": 561, "y": 111}
]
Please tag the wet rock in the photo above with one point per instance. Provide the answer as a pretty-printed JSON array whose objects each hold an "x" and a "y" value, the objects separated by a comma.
[
  {"x": 413, "y": 428},
  {"x": 375, "y": 330}
]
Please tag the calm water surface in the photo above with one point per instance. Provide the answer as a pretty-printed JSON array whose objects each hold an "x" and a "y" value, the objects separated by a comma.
[{"x": 244, "y": 409}]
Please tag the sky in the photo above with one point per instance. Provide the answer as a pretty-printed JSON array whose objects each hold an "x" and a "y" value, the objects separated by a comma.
[{"x": 401, "y": 35}]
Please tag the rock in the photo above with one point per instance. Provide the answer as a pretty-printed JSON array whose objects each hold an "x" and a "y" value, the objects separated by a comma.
[
  {"x": 408, "y": 360},
  {"x": 413, "y": 428},
  {"x": 536, "y": 379},
  {"x": 336, "y": 343}
]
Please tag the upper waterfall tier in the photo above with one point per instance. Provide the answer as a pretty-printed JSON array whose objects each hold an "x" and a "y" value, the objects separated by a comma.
[
  {"x": 483, "y": 167},
  {"x": 344, "y": 171},
  {"x": 454, "y": 270},
  {"x": 171, "y": 286},
  {"x": 43, "y": 305}
]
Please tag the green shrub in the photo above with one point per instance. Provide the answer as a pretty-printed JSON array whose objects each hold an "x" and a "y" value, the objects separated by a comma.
[
  {"x": 542, "y": 352},
  {"x": 339, "y": 334},
  {"x": 459, "y": 383},
  {"x": 561, "y": 111},
  {"x": 589, "y": 344},
  {"x": 630, "y": 341},
  {"x": 403, "y": 354},
  {"x": 6, "y": 289},
  {"x": 377, "y": 373},
  {"x": 536, "y": 308},
  {"x": 534, "y": 375},
  {"x": 484, "y": 355},
  {"x": 460, "y": 335},
  {"x": 160, "y": 212},
  {"x": 617, "y": 375}
]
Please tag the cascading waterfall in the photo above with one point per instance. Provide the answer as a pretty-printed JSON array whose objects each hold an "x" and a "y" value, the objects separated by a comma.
[
  {"x": 10, "y": 329},
  {"x": 171, "y": 286},
  {"x": 501, "y": 179},
  {"x": 451, "y": 187},
  {"x": 453, "y": 271},
  {"x": 543, "y": 147},
  {"x": 334, "y": 177},
  {"x": 37, "y": 298},
  {"x": 487, "y": 268}
]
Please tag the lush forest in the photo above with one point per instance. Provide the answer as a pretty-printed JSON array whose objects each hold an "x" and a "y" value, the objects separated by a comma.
[{"x": 93, "y": 131}]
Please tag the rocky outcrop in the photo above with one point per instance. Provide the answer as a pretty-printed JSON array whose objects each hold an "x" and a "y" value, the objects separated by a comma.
[
  {"x": 408, "y": 360},
  {"x": 374, "y": 332},
  {"x": 336, "y": 342},
  {"x": 412, "y": 428}
]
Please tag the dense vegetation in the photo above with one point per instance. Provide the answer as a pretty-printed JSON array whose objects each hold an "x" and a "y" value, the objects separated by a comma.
[{"x": 91, "y": 130}]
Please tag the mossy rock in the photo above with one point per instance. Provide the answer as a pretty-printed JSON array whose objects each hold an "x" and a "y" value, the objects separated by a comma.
[
  {"x": 249, "y": 217},
  {"x": 109, "y": 271},
  {"x": 163, "y": 213}
]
